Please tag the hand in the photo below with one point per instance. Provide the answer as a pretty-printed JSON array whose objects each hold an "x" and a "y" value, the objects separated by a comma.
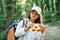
[
  {"x": 29, "y": 26},
  {"x": 42, "y": 27}
]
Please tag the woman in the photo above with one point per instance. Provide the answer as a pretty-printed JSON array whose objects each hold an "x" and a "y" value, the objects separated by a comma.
[{"x": 25, "y": 32}]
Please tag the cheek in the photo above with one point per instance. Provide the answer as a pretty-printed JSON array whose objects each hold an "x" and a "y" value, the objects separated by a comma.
[
  {"x": 36, "y": 17},
  {"x": 30, "y": 15}
]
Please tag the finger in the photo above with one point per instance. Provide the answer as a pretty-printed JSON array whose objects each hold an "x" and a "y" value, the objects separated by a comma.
[
  {"x": 31, "y": 24},
  {"x": 39, "y": 25},
  {"x": 42, "y": 25}
]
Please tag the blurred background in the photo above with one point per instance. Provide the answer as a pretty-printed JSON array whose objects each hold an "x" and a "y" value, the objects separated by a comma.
[{"x": 13, "y": 10}]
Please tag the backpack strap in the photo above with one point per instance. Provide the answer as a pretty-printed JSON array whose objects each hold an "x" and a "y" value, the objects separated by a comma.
[{"x": 24, "y": 23}]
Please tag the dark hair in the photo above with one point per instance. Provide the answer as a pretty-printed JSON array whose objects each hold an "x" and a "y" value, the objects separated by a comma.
[{"x": 37, "y": 20}]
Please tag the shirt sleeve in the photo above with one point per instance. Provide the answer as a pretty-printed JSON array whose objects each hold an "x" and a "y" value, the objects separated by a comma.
[{"x": 19, "y": 30}]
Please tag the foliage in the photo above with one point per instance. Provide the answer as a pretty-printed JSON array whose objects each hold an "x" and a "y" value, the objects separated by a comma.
[{"x": 21, "y": 8}]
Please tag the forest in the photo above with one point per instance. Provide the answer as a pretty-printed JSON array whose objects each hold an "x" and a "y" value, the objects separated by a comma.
[{"x": 13, "y": 10}]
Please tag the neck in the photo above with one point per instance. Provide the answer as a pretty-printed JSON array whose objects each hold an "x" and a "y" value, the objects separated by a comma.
[{"x": 32, "y": 20}]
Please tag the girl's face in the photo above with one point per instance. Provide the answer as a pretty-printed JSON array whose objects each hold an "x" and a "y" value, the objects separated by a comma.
[{"x": 34, "y": 15}]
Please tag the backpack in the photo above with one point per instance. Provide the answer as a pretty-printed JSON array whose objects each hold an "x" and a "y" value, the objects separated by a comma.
[{"x": 12, "y": 29}]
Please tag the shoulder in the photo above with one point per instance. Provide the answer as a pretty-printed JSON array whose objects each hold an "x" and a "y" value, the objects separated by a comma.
[{"x": 25, "y": 19}]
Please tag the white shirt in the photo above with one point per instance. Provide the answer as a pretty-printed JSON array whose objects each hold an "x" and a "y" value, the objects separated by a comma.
[{"x": 27, "y": 35}]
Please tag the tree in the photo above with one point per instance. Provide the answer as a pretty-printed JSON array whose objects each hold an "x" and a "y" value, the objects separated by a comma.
[{"x": 9, "y": 13}]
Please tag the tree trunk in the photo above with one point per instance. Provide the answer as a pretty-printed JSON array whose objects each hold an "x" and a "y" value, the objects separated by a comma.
[{"x": 9, "y": 13}]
